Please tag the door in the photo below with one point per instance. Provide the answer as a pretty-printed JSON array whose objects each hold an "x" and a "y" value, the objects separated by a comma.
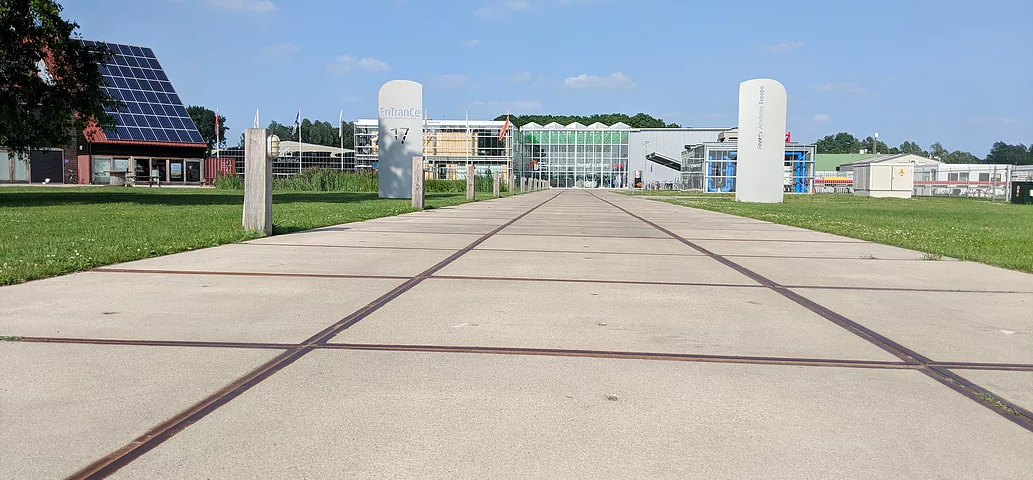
[
  {"x": 45, "y": 166},
  {"x": 193, "y": 173}
]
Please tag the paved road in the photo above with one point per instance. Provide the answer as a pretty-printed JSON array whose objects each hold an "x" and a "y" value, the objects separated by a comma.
[{"x": 559, "y": 334}]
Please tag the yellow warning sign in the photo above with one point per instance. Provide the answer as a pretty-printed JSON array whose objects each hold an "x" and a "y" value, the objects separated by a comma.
[{"x": 901, "y": 172}]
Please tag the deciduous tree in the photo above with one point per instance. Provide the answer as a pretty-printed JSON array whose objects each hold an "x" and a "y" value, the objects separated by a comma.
[
  {"x": 204, "y": 120},
  {"x": 50, "y": 86}
]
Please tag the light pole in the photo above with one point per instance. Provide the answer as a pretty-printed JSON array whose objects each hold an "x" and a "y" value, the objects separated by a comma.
[{"x": 875, "y": 144}]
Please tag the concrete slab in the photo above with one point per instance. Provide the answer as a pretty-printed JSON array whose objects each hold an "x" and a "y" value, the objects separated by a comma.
[
  {"x": 866, "y": 273},
  {"x": 303, "y": 260},
  {"x": 371, "y": 239},
  {"x": 635, "y": 318},
  {"x": 1015, "y": 387},
  {"x": 588, "y": 266},
  {"x": 664, "y": 246},
  {"x": 957, "y": 327},
  {"x": 691, "y": 233},
  {"x": 65, "y": 406},
  {"x": 865, "y": 250},
  {"x": 627, "y": 232},
  {"x": 139, "y": 306},
  {"x": 403, "y": 415}
]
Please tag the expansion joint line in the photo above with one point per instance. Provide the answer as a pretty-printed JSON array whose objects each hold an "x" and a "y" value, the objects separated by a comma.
[
  {"x": 157, "y": 435},
  {"x": 983, "y": 396}
]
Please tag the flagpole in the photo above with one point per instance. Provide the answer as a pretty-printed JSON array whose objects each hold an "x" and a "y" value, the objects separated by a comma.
[
  {"x": 218, "y": 151},
  {"x": 340, "y": 133}
]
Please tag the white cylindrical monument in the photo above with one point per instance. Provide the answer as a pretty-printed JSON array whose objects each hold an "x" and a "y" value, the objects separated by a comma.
[
  {"x": 400, "y": 136},
  {"x": 759, "y": 175}
]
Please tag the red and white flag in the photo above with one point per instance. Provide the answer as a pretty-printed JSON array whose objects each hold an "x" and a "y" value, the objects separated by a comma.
[{"x": 505, "y": 128}]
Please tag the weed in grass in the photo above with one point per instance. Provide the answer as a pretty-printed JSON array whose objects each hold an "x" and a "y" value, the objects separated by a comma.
[
  {"x": 932, "y": 256},
  {"x": 989, "y": 399},
  {"x": 9, "y": 338}
]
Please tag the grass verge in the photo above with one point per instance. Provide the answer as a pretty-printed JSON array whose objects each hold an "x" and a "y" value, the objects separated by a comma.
[
  {"x": 53, "y": 231},
  {"x": 993, "y": 233}
]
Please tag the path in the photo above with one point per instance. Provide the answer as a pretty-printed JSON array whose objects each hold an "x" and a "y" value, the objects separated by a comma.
[{"x": 559, "y": 334}]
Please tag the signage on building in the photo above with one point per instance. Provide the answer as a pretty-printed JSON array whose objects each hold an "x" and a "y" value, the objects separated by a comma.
[
  {"x": 761, "y": 151},
  {"x": 399, "y": 137}
]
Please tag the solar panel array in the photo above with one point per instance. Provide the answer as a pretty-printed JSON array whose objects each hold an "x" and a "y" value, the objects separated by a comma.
[{"x": 152, "y": 111}]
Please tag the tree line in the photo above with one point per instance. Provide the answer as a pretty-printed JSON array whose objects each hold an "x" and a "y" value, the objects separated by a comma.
[
  {"x": 1000, "y": 153},
  {"x": 639, "y": 120}
]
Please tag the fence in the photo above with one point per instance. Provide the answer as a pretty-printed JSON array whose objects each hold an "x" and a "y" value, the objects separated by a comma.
[{"x": 991, "y": 182}]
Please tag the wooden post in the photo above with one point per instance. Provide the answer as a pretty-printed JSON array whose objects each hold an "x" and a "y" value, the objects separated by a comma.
[
  {"x": 523, "y": 184},
  {"x": 496, "y": 185},
  {"x": 470, "y": 182},
  {"x": 258, "y": 183},
  {"x": 512, "y": 183},
  {"x": 417, "y": 183}
]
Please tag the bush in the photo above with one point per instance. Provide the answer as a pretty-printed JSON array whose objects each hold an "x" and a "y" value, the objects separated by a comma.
[
  {"x": 325, "y": 180},
  {"x": 228, "y": 182}
]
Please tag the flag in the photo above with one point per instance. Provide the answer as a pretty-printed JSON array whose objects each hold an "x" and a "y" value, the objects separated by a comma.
[
  {"x": 217, "y": 130},
  {"x": 297, "y": 123},
  {"x": 340, "y": 125},
  {"x": 505, "y": 128},
  {"x": 256, "y": 118}
]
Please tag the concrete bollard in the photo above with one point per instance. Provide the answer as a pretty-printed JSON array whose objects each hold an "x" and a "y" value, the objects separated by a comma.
[
  {"x": 258, "y": 183},
  {"x": 512, "y": 183},
  {"x": 523, "y": 184},
  {"x": 470, "y": 172},
  {"x": 496, "y": 185},
  {"x": 417, "y": 183}
]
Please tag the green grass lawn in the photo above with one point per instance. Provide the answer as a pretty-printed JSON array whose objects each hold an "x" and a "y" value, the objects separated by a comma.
[
  {"x": 995, "y": 233},
  {"x": 52, "y": 231}
]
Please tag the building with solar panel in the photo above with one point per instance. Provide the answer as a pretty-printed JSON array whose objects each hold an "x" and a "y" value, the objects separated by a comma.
[{"x": 154, "y": 140}]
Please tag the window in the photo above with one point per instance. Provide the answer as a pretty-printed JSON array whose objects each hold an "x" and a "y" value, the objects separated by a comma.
[{"x": 101, "y": 167}]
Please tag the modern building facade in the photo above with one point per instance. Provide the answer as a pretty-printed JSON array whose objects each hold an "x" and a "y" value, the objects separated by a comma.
[
  {"x": 587, "y": 156},
  {"x": 575, "y": 155},
  {"x": 711, "y": 167},
  {"x": 448, "y": 146}
]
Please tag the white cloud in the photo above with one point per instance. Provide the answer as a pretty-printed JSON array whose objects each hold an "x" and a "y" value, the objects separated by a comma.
[
  {"x": 277, "y": 53},
  {"x": 840, "y": 87},
  {"x": 373, "y": 65},
  {"x": 497, "y": 10},
  {"x": 520, "y": 77},
  {"x": 242, "y": 6},
  {"x": 526, "y": 105},
  {"x": 784, "y": 47},
  {"x": 616, "y": 80},
  {"x": 471, "y": 43},
  {"x": 992, "y": 120},
  {"x": 820, "y": 118},
  {"x": 346, "y": 63},
  {"x": 451, "y": 81}
]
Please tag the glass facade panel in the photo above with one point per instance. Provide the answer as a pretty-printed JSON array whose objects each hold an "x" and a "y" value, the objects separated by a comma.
[{"x": 574, "y": 158}]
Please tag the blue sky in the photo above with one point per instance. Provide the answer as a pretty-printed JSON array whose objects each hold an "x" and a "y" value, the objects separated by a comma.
[{"x": 956, "y": 72}]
